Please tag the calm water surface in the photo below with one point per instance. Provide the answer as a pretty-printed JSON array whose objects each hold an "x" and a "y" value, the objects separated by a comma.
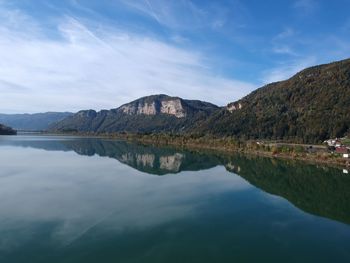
[{"x": 70, "y": 199}]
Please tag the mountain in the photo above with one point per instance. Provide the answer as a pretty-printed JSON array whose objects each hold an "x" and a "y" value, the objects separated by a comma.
[
  {"x": 156, "y": 113},
  {"x": 309, "y": 107},
  {"x": 4, "y": 130},
  {"x": 33, "y": 122}
]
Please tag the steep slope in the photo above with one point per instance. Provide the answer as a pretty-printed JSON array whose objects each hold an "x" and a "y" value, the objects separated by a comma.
[
  {"x": 4, "y": 130},
  {"x": 309, "y": 107},
  {"x": 156, "y": 113},
  {"x": 33, "y": 122}
]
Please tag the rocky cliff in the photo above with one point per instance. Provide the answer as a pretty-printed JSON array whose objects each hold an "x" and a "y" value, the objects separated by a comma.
[
  {"x": 156, "y": 113},
  {"x": 154, "y": 105}
]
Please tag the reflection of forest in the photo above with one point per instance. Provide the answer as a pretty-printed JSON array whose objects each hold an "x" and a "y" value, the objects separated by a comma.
[
  {"x": 317, "y": 190},
  {"x": 322, "y": 191}
]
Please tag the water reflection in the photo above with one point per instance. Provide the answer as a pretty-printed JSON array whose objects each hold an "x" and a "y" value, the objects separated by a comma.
[
  {"x": 153, "y": 160},
  {"x": 51, "y": 191},
  {"x": 318, "y": 190},
  {"x": 53, "y": 200}
]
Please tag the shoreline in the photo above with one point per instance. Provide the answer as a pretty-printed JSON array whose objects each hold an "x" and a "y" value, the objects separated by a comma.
[
  {"x": 226, "y": 146},
  {"x": 309, "y": 158}
]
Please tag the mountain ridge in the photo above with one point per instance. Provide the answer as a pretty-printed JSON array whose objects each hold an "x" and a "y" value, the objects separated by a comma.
[
  {"x": 32, "y": 121},
  {"x": 311, "y": 106},
  {"x": 154, "y": 113}
]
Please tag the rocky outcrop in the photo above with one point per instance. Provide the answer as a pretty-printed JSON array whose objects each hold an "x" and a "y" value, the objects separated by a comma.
[
  {"x": 145, "y": 160},
  {"x": 87, "y": 114},
  {"x": 156, "y": 105},
  {"x": 146, "y": 108},
  {"x": 234, "y": 106},
  {"x": 171, "y": 162},
  {"x": 166, "y": 163},
  {"x": 173, "y": 107},
  {"x": 156, "y": 113}
]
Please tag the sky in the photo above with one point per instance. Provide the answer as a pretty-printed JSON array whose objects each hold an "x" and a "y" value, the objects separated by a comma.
[{"x": 68, "y": 55}]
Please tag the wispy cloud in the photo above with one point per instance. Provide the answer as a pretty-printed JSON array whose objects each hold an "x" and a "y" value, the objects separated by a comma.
[
  {"x": 283, "y": 49},
  {"x": 151, "y": 11},
  {"x": 286, "y": 70},
  {"x": 286, "y": 33},
  {"x": 180, "y": 15},
  {"x": 305, "y": 7},
  {"x": 171, "y": 14},
  {"x": 84, "y": 68},
  {"x": 282, "y": 44}
]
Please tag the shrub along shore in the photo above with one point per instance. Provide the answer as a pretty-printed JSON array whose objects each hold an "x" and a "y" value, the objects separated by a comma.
[{"x": 275, "y": 149}]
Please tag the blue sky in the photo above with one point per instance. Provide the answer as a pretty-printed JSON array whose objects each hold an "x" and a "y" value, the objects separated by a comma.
[{"x": 81, "y": 54}]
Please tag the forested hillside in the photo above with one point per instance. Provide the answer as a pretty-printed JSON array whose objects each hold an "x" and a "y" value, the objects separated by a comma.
[
  {"x": 4, "y": 130},
  {"x": 310, "y": 107}
]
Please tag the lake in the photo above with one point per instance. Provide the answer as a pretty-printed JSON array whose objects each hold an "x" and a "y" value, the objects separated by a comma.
[{"x": 72, "y": 199}]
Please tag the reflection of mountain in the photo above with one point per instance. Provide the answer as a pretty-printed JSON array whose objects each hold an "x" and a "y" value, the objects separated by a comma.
[
  {"x": 36, "y": 142},
  {"x": 147, "y": 159},
  {"x": 320, "y": 191}
]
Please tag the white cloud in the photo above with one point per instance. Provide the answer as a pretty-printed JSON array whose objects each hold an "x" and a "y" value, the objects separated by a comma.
[
  {"x": 218, "y": 23},
  {"x": 166, "y": 13},
  {"x": 282, "y": 43},
  {"x": 283, "y": 49},
  {"x": 83, "y": 68},
  {"x": 180, "y": 15},
  {"x": 286, "y": 33},
  {"x": 305, "y": 7},
  {"x": 179, "y": 39}
]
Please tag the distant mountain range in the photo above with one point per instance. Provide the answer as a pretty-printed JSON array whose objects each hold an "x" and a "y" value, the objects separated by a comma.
[
  {"x": 33, "y": 122},
  {"x": 309, "y": 107},
  {"x": 156, "y": 113}
]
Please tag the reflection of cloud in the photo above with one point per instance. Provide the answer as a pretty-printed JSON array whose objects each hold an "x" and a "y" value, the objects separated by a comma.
[{"x": 79, "y": 193}]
